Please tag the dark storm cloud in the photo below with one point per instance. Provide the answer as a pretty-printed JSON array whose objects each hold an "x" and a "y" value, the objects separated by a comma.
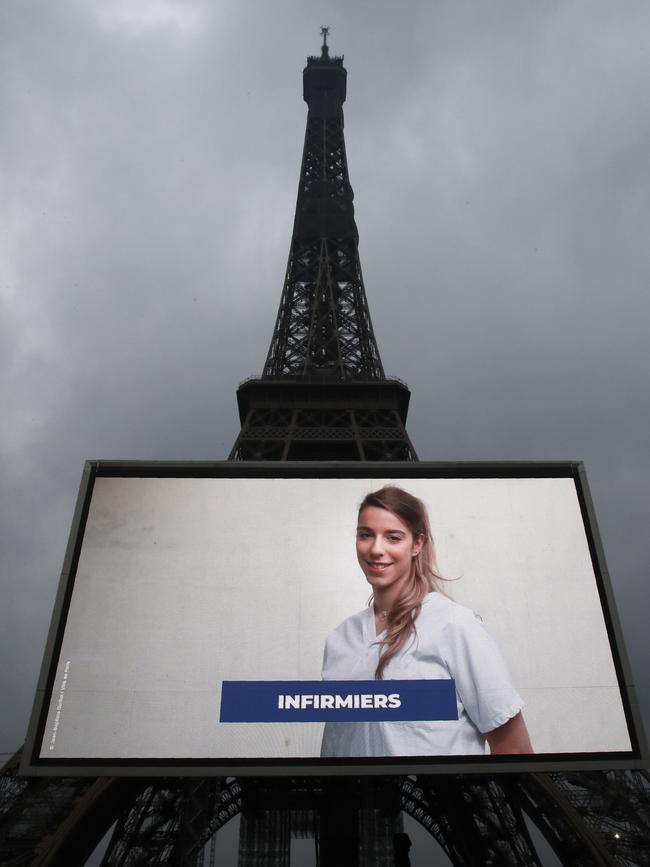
[{"x": 150, "y": 161}]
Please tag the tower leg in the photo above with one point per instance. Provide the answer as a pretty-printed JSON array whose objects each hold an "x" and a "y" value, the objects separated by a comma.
[
  {"x": 339, "y": 826},
  {"x": 264, "y": 838}
]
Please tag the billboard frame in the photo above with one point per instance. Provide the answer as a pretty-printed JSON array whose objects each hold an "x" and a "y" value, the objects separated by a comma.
[{"x": 32, "y": 764}]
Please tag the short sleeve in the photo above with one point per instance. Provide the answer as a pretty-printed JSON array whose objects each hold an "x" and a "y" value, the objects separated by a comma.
[
  {"x": 325, "y": 675},
  {"x": 482, "y": 679}
]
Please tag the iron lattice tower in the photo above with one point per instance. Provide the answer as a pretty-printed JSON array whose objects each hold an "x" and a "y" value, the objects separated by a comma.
[{"x": 323, "y": 394}]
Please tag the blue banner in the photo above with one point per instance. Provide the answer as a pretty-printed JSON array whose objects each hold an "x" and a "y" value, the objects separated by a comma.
[{"x": 337, "y": 700}]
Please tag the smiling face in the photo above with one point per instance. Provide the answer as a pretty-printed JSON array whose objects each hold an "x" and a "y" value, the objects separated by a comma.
[{"x": 385, "y": 550}]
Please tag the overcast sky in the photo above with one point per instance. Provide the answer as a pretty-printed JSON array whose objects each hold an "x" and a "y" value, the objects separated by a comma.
[{"x": 149, "y": 162}]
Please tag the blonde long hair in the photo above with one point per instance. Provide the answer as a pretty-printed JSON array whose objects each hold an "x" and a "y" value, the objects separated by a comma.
[{"x": 425, "y": 576}]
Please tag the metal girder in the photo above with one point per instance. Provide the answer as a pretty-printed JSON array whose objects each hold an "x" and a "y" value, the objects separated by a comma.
[
  {"x": 324, "y": 434},
  {"x": 54, "y": 822},
  {"x": 599, "y": 819},
  {"x": 323, "y": 322},
  {"x": 171, "y": 821}
]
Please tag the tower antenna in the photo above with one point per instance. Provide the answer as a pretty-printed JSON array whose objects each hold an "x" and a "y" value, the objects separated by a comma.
[{"x": 324, "y": 48}]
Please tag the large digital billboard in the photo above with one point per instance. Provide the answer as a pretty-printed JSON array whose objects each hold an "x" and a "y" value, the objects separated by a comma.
[{"x": 331, "y": 618}]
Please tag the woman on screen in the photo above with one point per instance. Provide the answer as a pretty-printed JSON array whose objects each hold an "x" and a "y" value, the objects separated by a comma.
[{"x": 412, "y": 630}]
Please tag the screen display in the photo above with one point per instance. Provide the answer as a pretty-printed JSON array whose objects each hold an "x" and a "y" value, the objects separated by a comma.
[{"x": 258, "y": 620}]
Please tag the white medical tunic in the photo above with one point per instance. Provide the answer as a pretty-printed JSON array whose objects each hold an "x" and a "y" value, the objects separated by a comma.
[{"x": 450, "y": 641}]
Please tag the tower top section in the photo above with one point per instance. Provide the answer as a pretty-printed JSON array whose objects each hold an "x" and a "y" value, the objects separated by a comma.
[
  {"x": 323, "y": 394},
  {"x": 324, "y": 81},
  {"x": 323, "y": 328}
]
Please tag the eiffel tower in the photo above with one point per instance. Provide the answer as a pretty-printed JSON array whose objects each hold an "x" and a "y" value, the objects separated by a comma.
[{"x": 323, "y": 395}]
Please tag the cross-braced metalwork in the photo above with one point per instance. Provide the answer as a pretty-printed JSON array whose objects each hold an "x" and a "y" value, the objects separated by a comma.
[
  {"x": 323, "y": 323},
  {"x": 343, "y": 434}
]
